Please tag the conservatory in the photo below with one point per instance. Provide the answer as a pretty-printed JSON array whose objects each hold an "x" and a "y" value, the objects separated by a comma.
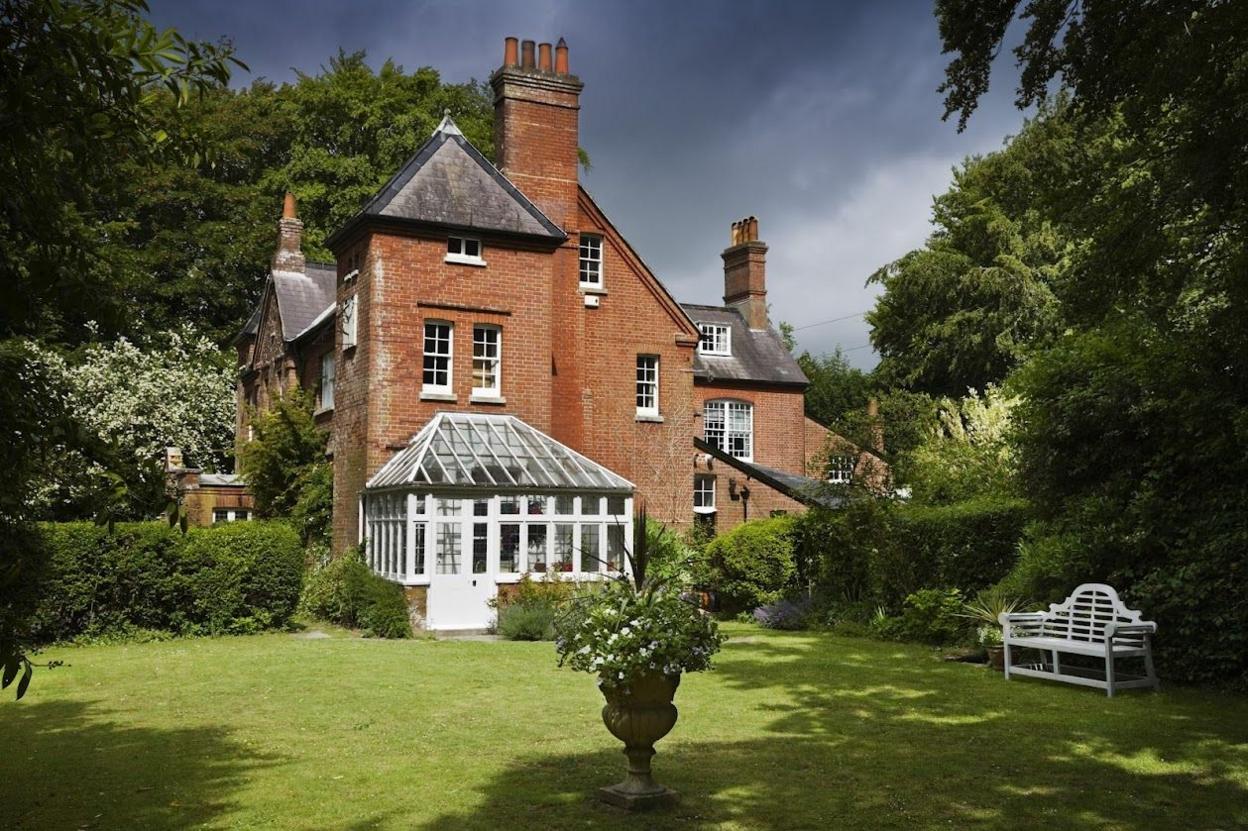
[{"x": 476, "y": 501}]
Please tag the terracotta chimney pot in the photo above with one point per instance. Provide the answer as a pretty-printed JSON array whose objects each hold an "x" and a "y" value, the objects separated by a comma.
[
  {"x": 753, "y": 235},
  {"x": 288, "y": 207},
  {"x": 511, "y": 51},
  {"x": 526, "y": 54},
  {"x": 543, "y": 57},
  {"x": 561, "y": 57}
]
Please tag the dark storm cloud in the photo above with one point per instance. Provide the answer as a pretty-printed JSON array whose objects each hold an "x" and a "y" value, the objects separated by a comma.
[{"x": 821, "y": 119}]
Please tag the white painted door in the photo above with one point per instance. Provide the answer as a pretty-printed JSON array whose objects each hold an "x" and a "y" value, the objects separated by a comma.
[{"x": 461, "y": 583}]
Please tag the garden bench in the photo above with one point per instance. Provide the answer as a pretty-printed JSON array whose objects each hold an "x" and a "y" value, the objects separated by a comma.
[{"x": 1093, "y": 622}]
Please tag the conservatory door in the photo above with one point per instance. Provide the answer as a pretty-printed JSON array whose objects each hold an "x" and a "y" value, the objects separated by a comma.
[{"x": 460, "y": 585}]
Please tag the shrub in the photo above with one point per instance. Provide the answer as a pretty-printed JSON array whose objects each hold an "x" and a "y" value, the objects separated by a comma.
[
  {"x": 287, "y": 447},
  {"x": 346, "y": 592},
  {"x": 238, "y": 577},
  {"x": 752, "y": 564},
  {"x": 784, "y": 614},
  {"x": 929, "y": 616},
  {"x": 527, "y": 622},
  {"x": 313, "y": 511}
]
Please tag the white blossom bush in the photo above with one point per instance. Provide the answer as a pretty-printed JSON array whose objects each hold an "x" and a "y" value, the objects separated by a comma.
[
  {"x": 176, "y": 392},
  {"x": 621, "y": 633}
]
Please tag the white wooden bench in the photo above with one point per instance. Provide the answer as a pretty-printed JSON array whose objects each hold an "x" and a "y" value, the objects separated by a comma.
[{"x": 1092, "y": 621}]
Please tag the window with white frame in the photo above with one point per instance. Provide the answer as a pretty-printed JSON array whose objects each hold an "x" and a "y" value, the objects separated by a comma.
[
  {"x": 648, "y": 385},
  {"x": 840, "y": 469},
  {"x": 437, "y": 371},
  {"x": 703, "y": 494},
  {"x": 463, "y": 250},
  {"x": 486, "y": 360},
  {"x": 326, "y": 397},
  {"x": 729, "y": 425},
  {"x": 348, "y": 322},
  {"x": 387, "y": 534},
  {"x": 230, "y": 515},
  {"x": 591, "y": 261},
  {"x": 716, "y": 339}
]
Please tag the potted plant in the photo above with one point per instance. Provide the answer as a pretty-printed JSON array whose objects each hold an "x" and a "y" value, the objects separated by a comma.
[
  {"x": 638, "y": 637},
  {"x": 986, "y": 609}
]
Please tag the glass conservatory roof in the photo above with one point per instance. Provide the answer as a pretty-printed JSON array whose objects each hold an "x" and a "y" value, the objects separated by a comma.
[{"x": 501, "y": 451}]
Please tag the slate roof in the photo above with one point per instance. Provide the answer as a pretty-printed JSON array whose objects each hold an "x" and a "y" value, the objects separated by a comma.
[
  {"x": 757, "y": 355},
  {"x": 449, "y": 183},
  {"x": 495, "y": 451},
  {"x": 303, "y": 298},
  {"x": 802, "y": 488}
]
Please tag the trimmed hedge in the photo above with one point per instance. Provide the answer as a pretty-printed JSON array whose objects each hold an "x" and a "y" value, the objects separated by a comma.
[
  {"x": 969, "y": 546},
  {"x": 227, "y": 579},
  {"x": 752, "y": 565}
]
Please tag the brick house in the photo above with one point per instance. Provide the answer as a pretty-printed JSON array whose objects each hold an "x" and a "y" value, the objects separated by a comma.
[{"x": 502, "y": 374}]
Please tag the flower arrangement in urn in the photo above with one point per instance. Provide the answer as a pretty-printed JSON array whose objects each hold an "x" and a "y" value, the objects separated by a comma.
[{"x": 638, "y": 636}]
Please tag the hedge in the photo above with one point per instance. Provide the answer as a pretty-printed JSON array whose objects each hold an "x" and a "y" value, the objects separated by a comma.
[
  {"x": 229, "y": 578},
  {"x": 345, "y": 591},
  {"x": 969, "y": 546}
]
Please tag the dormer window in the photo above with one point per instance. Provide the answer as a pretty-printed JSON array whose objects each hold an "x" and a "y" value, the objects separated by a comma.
[
  {"x": 716, "y": 339},
  {"x": 464, "y": 250},
  {"x": 591, "y": 261}
]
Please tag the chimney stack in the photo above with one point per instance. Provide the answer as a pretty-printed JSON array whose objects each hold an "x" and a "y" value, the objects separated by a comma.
[
  {"x": 289, "y": 254},
  {"x": 745, "y": 273},
  {"x": 536, "y": 131}
]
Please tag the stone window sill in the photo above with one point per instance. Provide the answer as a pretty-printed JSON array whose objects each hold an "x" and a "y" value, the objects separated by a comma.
[
  {"x": 486, "y": 399},
  {"x": 650, "y": 418},
  {"x": 432, "y": 395},
  {"x": 588, "y": 289},
  {"x": 460, "y": 259}
]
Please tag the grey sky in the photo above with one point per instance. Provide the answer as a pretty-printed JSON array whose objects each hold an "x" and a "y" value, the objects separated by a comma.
[{"x": 821, "y": 119}]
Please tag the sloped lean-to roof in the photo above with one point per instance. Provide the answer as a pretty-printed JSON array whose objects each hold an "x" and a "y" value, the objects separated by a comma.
[
  {"x": 757, "y": 354},
  {"x": 802, "y": 488},
  {"x": 492, "y": 451},
  {"x": 449, "y": 184}
]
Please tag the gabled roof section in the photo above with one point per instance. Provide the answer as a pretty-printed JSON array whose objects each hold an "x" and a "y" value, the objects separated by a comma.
[
  {"x": 649, "y": 279},
  {"x": 757, "y": 354},
  {"x": 449, "y": 183},
  {"x": 303, "y": 298},
  {"x": 477, "y": 450}
]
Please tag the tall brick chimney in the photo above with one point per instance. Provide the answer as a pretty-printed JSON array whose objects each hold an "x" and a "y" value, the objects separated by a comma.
[
  {"x": 745, "y": 273},
  {"x": 289, "y": 254},
  {"x": 536, "y": 134}
]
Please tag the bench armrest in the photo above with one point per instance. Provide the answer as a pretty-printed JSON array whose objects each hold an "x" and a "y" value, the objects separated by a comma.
[{"x": 1144, "y": 627}]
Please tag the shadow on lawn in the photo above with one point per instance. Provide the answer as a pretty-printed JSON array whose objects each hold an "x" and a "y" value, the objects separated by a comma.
[
  {"x": 873, "y": 739},
  {"x": 68, "y": 765}
]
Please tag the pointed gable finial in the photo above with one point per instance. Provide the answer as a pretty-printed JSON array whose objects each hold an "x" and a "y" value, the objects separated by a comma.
[{"x": 448, "y": 125}]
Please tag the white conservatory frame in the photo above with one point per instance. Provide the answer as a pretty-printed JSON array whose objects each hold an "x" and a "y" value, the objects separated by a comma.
[{"x": 494, "y": 482}]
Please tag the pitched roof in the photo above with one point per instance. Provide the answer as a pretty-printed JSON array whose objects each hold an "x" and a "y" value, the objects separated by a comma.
[
  {"x": 303, "y": 298},
  {"x": 495, "y": 451},
  {"x": 802, "y": 488},
  {"x": 757, "y": 354},
  {"x": 449, "y": 183}
]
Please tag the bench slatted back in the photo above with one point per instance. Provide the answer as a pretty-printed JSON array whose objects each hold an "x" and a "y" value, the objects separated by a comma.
[{"x": 1084, "y": 615}]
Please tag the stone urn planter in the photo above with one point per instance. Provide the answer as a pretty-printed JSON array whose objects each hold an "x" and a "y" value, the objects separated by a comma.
[
  {"x": 996, "y": 657},
  {"x": 639, "y": 716}
]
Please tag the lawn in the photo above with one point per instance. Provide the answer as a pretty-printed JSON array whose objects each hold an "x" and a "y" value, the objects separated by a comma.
[{"x": 792, "y": 731}]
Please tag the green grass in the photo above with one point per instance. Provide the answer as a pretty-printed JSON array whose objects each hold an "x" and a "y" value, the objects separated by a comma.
[{"x": 792, "y": 731}]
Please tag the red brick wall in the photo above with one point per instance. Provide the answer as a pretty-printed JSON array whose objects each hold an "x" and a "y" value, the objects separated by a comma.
[
  {"x": 779, "y": 412},
  {"x": 732, "y": 506}
]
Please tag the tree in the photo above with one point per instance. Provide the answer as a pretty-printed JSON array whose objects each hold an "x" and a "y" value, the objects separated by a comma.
[
  {"x": 969, "y": 306},
  {"x": 967, "y": 453},
  {"x": 198, "y": 234},
  {"x": 279, "y": 460},
  {"x": 836, "y": 388},
  {"x": 1131, "y": 430}
]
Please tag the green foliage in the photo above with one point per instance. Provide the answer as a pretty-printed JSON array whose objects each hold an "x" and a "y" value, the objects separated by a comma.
[
  {"x": 836, "y": 389},
  {"x": 230, "y": 578},
  {"x": 313, "y": 511},
  {"x": 967, "y": 454},
  {"x": 283, "y": 456},
  {"x": 835, "y": 549},
  {"x": 928, "y": 616},
  {"x": 527, "y": 622},
  {"x": 673, "y": 560},
  {"x": 751, "y": 565},
  {"x": 345, "y": 591}
]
